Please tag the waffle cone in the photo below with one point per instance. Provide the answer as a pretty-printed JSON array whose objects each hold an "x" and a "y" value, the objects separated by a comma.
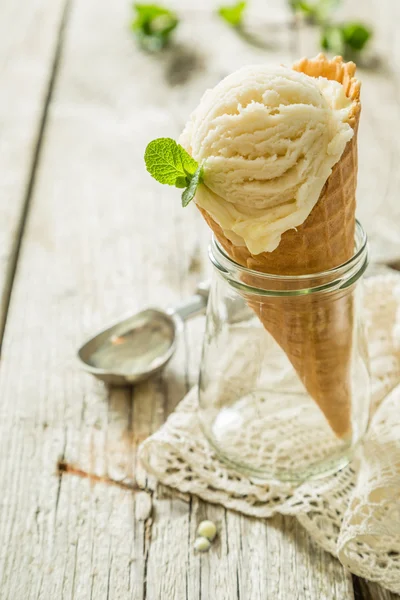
[{"x": 315, "y": 331}]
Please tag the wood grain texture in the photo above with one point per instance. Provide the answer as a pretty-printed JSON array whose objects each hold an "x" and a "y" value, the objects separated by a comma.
[
  {"x": 26, "y": 68},
  {"x": 103, "y": 239}
]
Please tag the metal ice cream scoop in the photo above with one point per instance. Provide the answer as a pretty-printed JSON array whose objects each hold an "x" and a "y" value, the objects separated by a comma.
[{"x": 141, "y": 345}]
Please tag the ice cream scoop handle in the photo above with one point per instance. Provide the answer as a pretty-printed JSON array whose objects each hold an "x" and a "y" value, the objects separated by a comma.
[{"x": 194, "y": 306}]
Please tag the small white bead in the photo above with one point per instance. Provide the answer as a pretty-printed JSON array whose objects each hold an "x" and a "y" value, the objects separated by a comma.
[
  {"x": 201, "y": 544},
  {"x": 207, "y": 529}
]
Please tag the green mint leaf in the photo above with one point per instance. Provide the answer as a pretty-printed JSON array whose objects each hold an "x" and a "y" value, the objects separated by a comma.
[
  {"x": 188, "y": 163},
  {"x": 169, "y": 163},
  {"x": 153, "y": 25},
  {"x": 233, "y": 15},
  {"x": 190, "y": 192},
  {"x": 182, "y": 182},
  {"x": 356, "y": 35}
]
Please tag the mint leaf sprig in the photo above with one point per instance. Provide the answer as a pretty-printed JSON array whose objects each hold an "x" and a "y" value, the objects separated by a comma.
[
  {"x": 169, "y": 163},
  {"x": 153, "y": 26}
]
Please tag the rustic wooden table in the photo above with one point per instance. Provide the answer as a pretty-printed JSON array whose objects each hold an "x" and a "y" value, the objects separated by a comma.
[{"x": 86, "y": 235}]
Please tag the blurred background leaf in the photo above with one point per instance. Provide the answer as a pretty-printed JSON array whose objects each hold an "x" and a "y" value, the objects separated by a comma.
[
  {"x": 347, "y": 39},
  {"x": 153, "y": 26},
  {"x": 233, "y": 15},
  {"x": 356, "y": 35}
]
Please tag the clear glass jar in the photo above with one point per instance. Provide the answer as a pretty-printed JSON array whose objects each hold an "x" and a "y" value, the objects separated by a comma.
[{"x": 284, "y": 381}]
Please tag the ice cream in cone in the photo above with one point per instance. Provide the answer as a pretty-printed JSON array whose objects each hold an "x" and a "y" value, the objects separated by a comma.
[{"x": 280, "y": 179}]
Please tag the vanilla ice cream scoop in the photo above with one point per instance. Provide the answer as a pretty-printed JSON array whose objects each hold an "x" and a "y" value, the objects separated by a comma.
[{"x": 269, "y": 138}]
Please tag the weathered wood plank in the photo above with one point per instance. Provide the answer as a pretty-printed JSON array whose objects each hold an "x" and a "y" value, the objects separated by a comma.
[
  {"x": 26, "y": 69},
  {"x": 85, "y": 540},
  {"x": 264, "y": 559}
]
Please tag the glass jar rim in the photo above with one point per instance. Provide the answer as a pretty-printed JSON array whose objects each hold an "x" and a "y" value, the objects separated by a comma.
[{"x": 338, "y": 277}]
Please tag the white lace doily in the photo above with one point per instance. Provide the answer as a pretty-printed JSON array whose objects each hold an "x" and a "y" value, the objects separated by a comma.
[{"x": 354, "y": 514}]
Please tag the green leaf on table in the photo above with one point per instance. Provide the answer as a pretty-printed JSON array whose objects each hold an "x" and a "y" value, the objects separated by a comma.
[
  {"x": 153, "y": 25},
  {"x": 233, "y": 14},
  {"x": 356, "y": 35},
  {"x": 169, "y": 163},
  {"x": 190, "y": 192}
]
